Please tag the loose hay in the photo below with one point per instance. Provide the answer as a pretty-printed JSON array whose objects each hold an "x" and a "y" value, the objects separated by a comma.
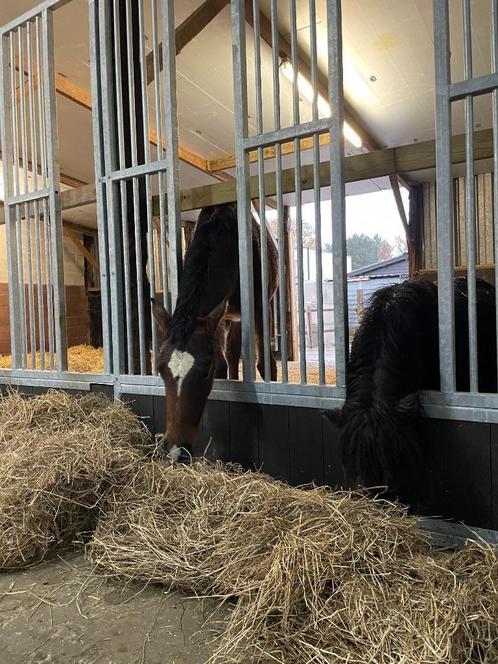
[
  {"x": 319, "y": 576},
  {"x": 58, "y": 455},
  {"x": 80, "y": 359}
]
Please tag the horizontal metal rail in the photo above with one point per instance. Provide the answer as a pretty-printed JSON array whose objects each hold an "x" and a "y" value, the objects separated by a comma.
[
  {"x": 481, "y": 85},
  {"x": 152, "y": 168},
  {"x": 31, "y": 14},
  {"x": 28, "y": 197},
  {"x": 286, "y": 134}
]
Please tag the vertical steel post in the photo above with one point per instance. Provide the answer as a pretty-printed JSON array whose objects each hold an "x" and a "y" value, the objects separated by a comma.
[
  {"x": 444, "y": 195},
  {"x": 243, "y": 191},
  {"x": 54, "y": 196},
  {"x": 337, "y": 189},
  {"x": 171, "y": 122}
]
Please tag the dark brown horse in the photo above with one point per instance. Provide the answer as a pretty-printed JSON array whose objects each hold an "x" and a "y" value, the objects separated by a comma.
[{"x": 201, "y": 340}]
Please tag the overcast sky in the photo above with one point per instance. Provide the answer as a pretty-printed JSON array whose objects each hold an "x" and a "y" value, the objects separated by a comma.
[{"x": 373, "y": 213}]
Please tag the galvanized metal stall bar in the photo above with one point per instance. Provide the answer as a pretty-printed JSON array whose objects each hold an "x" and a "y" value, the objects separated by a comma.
[
  {"x": 32, "y": 191},
  {"x": 274, "y": 136},
  {"x": 448, "y": 92},
  {"x": 127, "y": 176}
]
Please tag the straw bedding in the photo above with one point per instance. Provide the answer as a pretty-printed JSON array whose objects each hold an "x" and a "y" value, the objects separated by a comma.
[
  {"x": 85, "y": 359},
  {"x": 319, "y": 576},
  {"x": 58, "y": 455},
  {"x": 311, "y": 576}
]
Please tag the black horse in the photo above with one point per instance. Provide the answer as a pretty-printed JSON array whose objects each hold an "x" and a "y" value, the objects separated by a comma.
[
  {"x": 395, "y": 355},
  {"x": 201, "y": 340}
]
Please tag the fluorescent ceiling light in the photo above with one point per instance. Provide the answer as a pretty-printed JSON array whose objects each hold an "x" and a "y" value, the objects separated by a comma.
[{"x": 306, "y": 90}]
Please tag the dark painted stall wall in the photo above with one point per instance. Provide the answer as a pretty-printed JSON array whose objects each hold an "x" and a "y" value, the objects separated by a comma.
[{"x": 300, "y": 445}]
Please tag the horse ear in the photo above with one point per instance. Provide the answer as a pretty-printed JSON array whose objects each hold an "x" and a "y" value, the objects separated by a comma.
[
  {"x": 213, "y": 319},
  {"x": 161, "y": 316}
]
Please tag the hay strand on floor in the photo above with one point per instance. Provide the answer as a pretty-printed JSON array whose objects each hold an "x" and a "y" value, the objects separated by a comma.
[
  {"x": 58, "y": 455},
  {"x": 319, "y": 576}
]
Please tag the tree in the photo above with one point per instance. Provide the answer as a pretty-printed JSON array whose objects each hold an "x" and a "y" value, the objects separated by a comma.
[
  {"x": 363, "y": 249},
  {"x": 385, "y": 250},
  {"x": 400, "y": 244}
]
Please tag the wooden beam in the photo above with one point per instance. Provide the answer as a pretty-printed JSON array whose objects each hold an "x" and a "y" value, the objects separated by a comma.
[
  {"x": 380, "y": 163},
  {"x": 268, "y": 153},
  {"x": 187, "y": 31},
  {"x": 68, "y": 232}
]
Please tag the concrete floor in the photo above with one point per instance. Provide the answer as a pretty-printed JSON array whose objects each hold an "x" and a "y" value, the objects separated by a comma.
[{"x": 59, "y": 613}]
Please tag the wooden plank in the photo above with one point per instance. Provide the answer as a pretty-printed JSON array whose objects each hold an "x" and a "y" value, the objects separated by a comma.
[
  {"x": 214, "y": 438},
  {"x": 455, "y": 479},
  {"x": 142, "y": 405},
  {"x": 333, "y": 474},
  {"x": 306, "y": 446},
  {"x": 81, "y": 247},
  {"x": 159, "y": 415},
  {"x": 404, "y": 159},
  {"x": 244, "y": 434},
  {"x": 274, "y": 441},
  {"x": 488, "y": 217},
  {"x": 494, "y": 476}
]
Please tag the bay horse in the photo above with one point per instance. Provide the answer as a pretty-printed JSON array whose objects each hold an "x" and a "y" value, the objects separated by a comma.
[
  {"x": 395, "y": 355},
  {"x": 201, "y": 341}
]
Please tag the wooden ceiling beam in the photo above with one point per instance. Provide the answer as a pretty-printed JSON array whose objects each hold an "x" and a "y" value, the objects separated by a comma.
[
  {"x": 187, "y": 31},
  {"x": 380, "y": 163}
]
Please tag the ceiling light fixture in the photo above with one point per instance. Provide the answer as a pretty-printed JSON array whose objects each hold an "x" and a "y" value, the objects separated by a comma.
[{"x": 306, "y": 90}]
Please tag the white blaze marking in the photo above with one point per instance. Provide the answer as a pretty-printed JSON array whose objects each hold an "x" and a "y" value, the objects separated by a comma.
[{"x": 180, "y": 364}]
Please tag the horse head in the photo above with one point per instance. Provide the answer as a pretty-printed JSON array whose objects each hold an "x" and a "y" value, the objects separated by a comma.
[{"x": 187, "y": 368}]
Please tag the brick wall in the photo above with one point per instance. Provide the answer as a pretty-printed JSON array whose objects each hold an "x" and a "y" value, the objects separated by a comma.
[{"x": 78, "y": 327}]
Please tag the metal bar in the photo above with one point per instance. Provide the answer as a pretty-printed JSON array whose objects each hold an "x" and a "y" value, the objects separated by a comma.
[
  {"x": 41, "y": 107},
  {"x": 317, "y": 200},
  {"x": 54, "y": 199},
  {"x": 444, "y": 197},
  {"x": 44, "y": 184},
  {"x": 494, "y": 66},
  {"x": 243, "y": 191},
  {"x": 171, "y": 122},
  {"x": 286, "y": 134},
  {"x": 31, "y": 296},
  {"x": 28, "y": 197},
  {"x": 282, "y": 289},
  {"x": 155, "y": 166},
  {"x": 480, "y": 85},
  {"x": 136, "y": 202},
  {"x": 138, "y": 170},
  {"x": 265, "y": 305},
  {"x": 470, "y": 209},
  {"x": 22, "y": 112},
  {"x": 95, "y": 60},
  {"x": 34, "y": 168},
  {"x": 299, "y": 198},
  {"x": 118, "y": 224},
  {"x": 39, "y": 281},
  {"x": 8, "y": 134},
  {"x": 160, "y": 152},
  {"x": 337, "y": 191},
  {"x": 48, "y": 277},
  {"x": 32, "y": 13}
]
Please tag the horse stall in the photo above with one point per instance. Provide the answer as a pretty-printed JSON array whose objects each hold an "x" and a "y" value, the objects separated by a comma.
[{"x": 164, "y": 164}]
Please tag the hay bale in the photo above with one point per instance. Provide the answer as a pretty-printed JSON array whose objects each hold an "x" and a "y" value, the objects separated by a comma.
[
  {"x": 58, "y": 456},
  {"x": 319, "y": 576}
]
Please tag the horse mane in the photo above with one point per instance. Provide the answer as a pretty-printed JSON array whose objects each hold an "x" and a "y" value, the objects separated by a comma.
[
  {"x": 395, "y": 355},
  {"x": 212, "y": 222}
]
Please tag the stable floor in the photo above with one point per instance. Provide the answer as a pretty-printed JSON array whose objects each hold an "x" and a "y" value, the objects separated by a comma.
[{"x": 60, "y": 613}]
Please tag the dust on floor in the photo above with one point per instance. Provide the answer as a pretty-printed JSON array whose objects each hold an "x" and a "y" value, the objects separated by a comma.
[{"x": 59, "y": 613}]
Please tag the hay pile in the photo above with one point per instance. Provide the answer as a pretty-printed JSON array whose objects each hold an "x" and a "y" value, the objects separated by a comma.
[
  {"x": 80, "y": 359},
  {"x": 319, "y": 576},
  {"x": 58, "y": 455}
]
